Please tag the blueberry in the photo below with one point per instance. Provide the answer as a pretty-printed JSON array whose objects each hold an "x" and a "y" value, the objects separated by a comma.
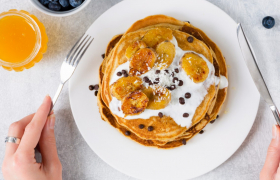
[
  {"x": 64, "y": 3},
  {"x": 54, "y": 6},
  {"x": 268, "y": 22},
  {"x": 44, "y": 2},
  {"x": 75, "y": 3}
]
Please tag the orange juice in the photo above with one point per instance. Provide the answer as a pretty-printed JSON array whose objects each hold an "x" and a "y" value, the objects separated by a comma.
[
  {"x": 22, "y": 40},
  {"x": 17, "y": 40}
]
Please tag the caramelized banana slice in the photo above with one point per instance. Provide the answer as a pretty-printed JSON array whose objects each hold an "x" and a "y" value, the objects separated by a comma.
[
  {"x": 131, "y": 50},
  {"x": 155, "y": 36},
  {"x": 134, "y": 103},
  {"x": 195, "y": 67},
  {"x": 159, "y": 97},
  {"x": 142, "y": 61},
  {"x": 166, "y": 53},
  {"x": 124, "y": 86}
]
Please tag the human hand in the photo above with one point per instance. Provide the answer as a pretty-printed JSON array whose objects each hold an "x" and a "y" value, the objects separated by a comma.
[
  {"x": 271, "y": 168},
  {"x": 19, "y": 162}
]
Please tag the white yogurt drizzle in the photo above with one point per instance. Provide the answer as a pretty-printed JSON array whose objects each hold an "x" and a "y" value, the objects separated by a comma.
[
  {"x": 174, "y": 109},
  {"x": 223, "y": 82}
]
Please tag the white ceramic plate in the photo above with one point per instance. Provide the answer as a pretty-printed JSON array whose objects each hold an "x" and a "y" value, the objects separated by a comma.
[{"x": 204, "y": 152}]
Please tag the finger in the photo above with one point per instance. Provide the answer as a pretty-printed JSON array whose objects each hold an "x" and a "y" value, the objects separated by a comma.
[
  {"x": 277, "y": 175},
  {"x": 16, "y": 130},
  {"x": 33, "y": 130},
  {"x": 47, "y": 144},
  {"x": 273, "y": 156}
]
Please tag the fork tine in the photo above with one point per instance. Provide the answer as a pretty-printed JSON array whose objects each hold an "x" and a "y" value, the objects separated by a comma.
[
  {"x": 73, "y": 52},
  {"x": 82, "y": 54},
  {"x": 66, "y": 58},
  {"x": 78, "y": 51}
]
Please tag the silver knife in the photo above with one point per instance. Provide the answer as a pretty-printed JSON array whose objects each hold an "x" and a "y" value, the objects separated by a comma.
[{"x": 250, "y": 60}]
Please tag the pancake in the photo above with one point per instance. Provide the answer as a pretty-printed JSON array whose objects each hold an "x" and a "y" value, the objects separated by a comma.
[{"x": 166, "y": 132}]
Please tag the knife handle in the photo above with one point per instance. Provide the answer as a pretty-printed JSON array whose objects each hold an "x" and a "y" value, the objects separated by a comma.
[{"x": 276, "y": 114}]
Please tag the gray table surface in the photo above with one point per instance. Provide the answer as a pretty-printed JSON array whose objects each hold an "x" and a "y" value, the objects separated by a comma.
[{"x": 21, "y": 93}]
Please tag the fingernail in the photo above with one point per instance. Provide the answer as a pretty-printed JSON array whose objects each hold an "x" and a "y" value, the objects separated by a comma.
[
  {"x": 46, "y": 98},
  {"x": 275, "y": 132},
  {"x": 51, "y": 121}
]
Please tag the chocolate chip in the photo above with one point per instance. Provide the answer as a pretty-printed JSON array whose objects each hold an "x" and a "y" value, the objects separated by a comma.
[
  {"x": 141, "y": 126},
  {"x": 175, "y": 79},
  {"x": 103, "y": 56},
  {"x": 177, "y": 70},
  {"x": 95, "y": 93},
  {"x": 160, "y": 114},
  {"x": 172, "y": 74},
  {"x": 157, "y": 79},
  {"x": 150, "y": 128},
  {"x": 186, "y": 115},
  {"x": 217, "y": 116},
  {"x": 150, "y": 83},
  {"x": 188, "y": 95},
  {"x": 125, "y": 74},
  {"x": 212, "y": 121},
  {"x": 157, "y": 71},
  {"x": 168, "y": 87},
  {"x": 172, "y": 87},
  {"x": 166, "y": 71},
  {"x": 201, "y": 132},
  {"x": 184, "y": 142},
  {"x": 96, "y": 87},
  {"x": 181, "y": 100},
  {"x": 146, "y": 79},
  {"x": 190, "y": 39},
  {"x": 155, "y": 82},
  {"x": 127, "y": 133},
  {"x": 91, "y": 87},
  {"x": 180, "y": 83},
  {"x": 119, "y": 73}
]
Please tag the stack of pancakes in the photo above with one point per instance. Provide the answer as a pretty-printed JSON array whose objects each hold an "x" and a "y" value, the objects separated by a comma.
[{"x": 165, "y": 132}]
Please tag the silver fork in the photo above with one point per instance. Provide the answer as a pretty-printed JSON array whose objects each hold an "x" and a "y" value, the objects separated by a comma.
[{"x": 71, "y": 62}]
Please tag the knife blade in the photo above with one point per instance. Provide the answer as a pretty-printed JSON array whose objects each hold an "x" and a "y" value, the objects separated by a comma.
[{"x": 251, "y": 62}]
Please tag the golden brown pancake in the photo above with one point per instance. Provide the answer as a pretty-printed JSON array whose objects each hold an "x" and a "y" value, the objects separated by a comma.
[{"x": 166, "y": 133}]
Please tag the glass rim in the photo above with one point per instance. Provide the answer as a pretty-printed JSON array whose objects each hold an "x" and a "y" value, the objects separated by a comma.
[{"x": 37, "y": 47}]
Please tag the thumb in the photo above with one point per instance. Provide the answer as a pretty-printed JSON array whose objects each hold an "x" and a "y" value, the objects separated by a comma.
[
  {"x": 47, "y": 144},
  {"x": 273, "y": 155}
]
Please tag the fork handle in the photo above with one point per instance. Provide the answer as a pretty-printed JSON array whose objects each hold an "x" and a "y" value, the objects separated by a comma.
[{"x": 58, "y": 91}]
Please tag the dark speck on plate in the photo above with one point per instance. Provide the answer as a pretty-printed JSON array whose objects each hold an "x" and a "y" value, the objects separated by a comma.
[{"x": 91, "y": 87}]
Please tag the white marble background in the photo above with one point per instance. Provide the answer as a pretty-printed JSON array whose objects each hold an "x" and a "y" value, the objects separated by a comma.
[{"x": 21, "y": 93}]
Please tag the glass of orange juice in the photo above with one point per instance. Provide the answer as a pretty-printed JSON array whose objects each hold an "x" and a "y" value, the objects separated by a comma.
[{"x": 23, "y": 40}]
